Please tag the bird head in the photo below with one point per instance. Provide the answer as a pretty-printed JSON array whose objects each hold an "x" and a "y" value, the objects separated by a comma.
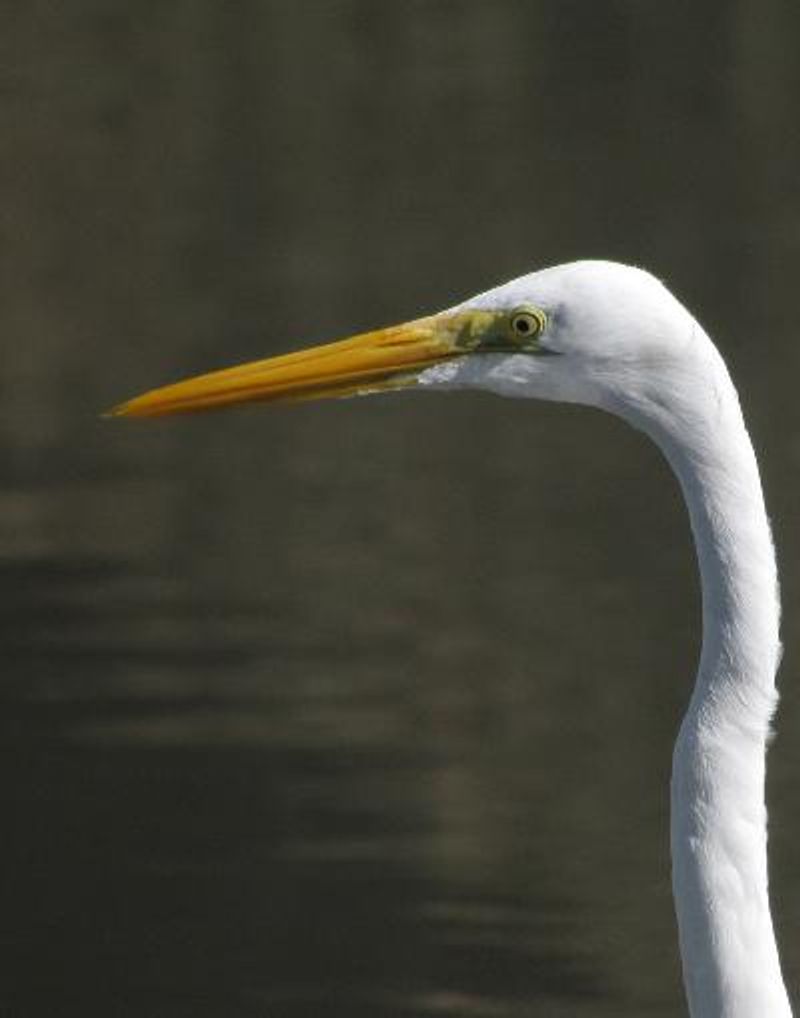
[{"x": 588, "y": 332}]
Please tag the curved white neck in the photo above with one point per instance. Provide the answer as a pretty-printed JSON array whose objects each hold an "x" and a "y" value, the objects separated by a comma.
[{"x": 718, "y": 824}]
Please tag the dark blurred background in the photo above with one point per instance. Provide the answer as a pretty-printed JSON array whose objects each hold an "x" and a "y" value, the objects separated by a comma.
[{"x": 364, "y": 708}]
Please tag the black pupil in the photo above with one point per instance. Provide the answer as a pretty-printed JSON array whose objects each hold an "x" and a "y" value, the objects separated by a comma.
[{"x": 523, "y": 325}]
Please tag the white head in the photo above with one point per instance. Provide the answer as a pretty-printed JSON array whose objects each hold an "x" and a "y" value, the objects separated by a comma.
[
  {"x": 591, "y": 332},
  {"x": 612, "y": 336}
]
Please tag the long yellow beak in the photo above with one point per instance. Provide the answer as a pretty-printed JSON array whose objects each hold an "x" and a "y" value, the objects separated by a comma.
[{"x": 373, "y": 361}]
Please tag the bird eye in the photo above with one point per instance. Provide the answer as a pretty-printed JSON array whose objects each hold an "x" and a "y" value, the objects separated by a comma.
[{"x": 527, "y": 323}]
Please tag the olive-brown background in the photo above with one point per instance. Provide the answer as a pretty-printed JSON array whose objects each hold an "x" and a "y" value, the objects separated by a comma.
[{"x": 364, "y": 708}]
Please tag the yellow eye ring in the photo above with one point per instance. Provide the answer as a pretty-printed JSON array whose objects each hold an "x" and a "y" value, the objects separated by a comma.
[{"x": 527, "y": 323}]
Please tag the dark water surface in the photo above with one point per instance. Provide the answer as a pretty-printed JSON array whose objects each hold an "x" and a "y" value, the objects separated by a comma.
[{"x": 364, "y": 708}]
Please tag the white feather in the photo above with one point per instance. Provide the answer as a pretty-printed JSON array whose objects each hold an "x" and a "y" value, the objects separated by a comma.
[{"x": 629, "y": 347}]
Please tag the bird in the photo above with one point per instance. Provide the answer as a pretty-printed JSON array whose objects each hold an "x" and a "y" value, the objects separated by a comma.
[{"x": 613, "y": 337}]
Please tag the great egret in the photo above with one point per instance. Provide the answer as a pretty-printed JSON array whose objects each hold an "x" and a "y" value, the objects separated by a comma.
[{"x": 613, "y": 337}]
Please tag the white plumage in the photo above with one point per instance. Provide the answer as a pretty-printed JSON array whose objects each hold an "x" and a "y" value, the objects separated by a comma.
[
  {"x": 613, "y": 337},
  {"x": 630, "y": 348}
]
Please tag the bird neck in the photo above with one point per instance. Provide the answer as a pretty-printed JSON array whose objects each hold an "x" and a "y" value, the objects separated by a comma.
[{"x": 718, "y": 821}]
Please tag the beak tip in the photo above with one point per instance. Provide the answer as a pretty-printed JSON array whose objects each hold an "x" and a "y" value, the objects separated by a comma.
[{"x": 120, "y": 410}]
